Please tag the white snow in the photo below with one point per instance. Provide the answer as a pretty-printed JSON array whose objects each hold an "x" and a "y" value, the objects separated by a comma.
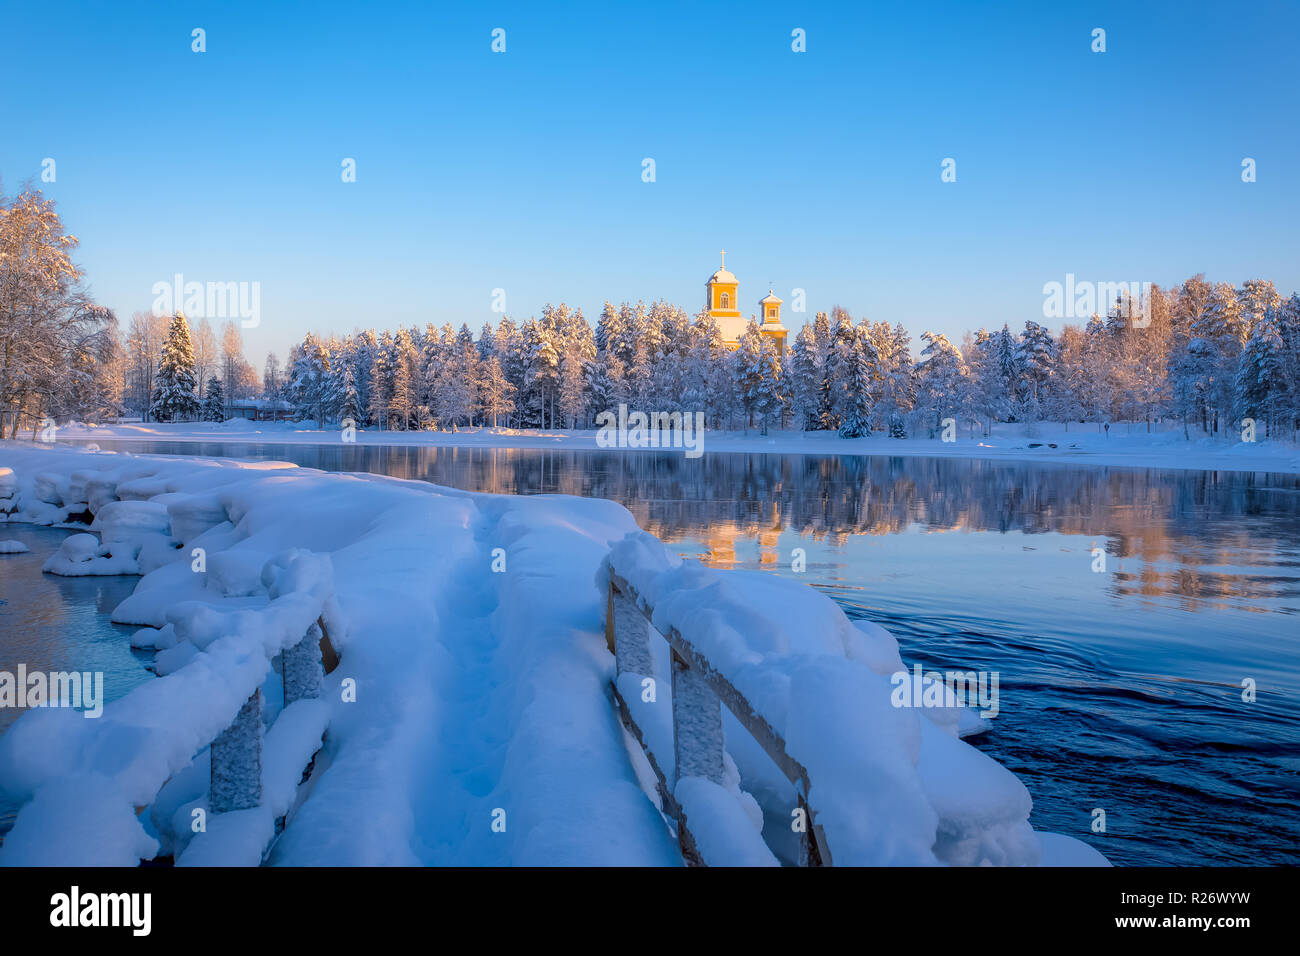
[
  {"x": 10, "y": 546},
  {"x": 823, "y": 686}
]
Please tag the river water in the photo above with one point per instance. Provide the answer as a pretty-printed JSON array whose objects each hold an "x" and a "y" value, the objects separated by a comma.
[{"x": 1122, "y": 608}]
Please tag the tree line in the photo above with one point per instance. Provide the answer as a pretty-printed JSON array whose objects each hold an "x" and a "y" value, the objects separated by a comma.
[{"x": 1208, "y": 355}]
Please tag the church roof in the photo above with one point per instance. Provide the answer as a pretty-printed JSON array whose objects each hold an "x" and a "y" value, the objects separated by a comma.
[
  {"x": 722, "y": 275},
  {"x": 769, "y": 299}
]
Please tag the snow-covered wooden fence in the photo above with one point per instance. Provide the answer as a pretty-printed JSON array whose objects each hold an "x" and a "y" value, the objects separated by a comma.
[
  {"x": 217, "y": 775},
  {"x": 698, "y": 693},
  {"x": 236, "y": 753}
]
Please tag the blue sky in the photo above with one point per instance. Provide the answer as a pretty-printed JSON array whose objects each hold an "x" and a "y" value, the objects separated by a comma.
[{"x": 522, "y": 170}]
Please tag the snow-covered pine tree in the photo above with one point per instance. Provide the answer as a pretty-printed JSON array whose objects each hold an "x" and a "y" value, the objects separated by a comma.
[
  {"x": 942, "y": 378},
  {"x": 174, "y": 386},
  {"x": 214, "y": 401},
  {"x": 769, "y": 396},
  {"x": 747, "y": 371},
  {"x": 855, "y": 417},
  {"x": 1257, "y": 390},
  {"x": 381, "y": 380},
  {"x": 841, "y": 363},
  {"x": 1036, "y": 359},
  {"x": 824, "y": 341},
  {"x": 401, "y": 397},
  {"x": 805, "y": 379},
  {"x": 349, "y": 399},
  {"x": 309, "y": 367}
]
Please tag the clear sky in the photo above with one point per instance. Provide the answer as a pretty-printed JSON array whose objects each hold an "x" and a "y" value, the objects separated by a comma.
[{"x": 523, "y": 170}]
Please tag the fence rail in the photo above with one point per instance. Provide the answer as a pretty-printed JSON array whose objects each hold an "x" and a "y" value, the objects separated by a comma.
[
  {"x": 698, "y": 693},
  {"x": 236, "y": 753}
]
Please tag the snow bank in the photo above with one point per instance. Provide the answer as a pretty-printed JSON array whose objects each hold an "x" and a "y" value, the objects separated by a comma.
[
  {"x": 888, "y": 785},
  {"x": 215, "y": 657},
  {"x": 11, "y": 546}
]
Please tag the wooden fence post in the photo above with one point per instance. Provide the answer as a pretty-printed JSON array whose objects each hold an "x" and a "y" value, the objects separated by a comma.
[
  {"x": 630, "y": 632},
  {"x": 697, "y": 725},
  {"x": 300, "y": 667},
  {"x": 236, "y": 776}
]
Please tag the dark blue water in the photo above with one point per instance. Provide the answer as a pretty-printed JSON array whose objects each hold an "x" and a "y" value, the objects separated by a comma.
[
  {"x": 1120, "y": 689},
  {"x": 50, "y": 623}
]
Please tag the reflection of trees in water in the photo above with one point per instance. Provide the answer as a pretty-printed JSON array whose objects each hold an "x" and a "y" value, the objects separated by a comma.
[{"x": 1188, "y": 532}]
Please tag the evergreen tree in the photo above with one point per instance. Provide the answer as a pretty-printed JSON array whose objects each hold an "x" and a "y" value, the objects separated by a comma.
[
  {"x": 214, "y": 402},
  {"x": 855, "y": 418},
  {"x": 173, "y": 396},
  {"x": 1035, "y": 357},
  {"x": 942, "y": 378},
  {"x": 349, "y": 400},
  {"x": 1260, "y": 375},
  {"x": 806, "y": 379}
]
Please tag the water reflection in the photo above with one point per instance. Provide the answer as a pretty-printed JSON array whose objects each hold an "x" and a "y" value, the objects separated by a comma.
[{"x": 1204, "y": 539}]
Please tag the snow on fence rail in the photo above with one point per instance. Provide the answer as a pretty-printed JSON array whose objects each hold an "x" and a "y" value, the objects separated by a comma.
[
  {"x": 859, "y": 779},
  {"x": 86, "y": 793},
  {"x": 85, "y": 782},
  {"x": 698, "y": 693}
]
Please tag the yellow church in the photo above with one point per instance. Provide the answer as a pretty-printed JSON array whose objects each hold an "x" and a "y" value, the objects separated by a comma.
[{"x": 723, "y": 303}]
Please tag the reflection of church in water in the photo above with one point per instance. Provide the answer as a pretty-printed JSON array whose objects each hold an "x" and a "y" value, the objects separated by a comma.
[{"x": 723, "y": 303}]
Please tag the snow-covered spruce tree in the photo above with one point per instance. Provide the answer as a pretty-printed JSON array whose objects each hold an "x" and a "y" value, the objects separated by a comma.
[
  {"x": 895, "y": 386},
  {"x": 349, "y": 404},
  {"x": 174, "y": 386},
  {"x": 380, "y": 385},
  {"x": 841, "y": 362},
  {"x": 1289, "y": 325},
  {"x": 805, "y": 379},
  {"x": 769, "y": 398},
  {"x": 942, "y": 377},
  {"x": 855, "y": 419},
  {"x": 214, "y": 401},
  {"x": 308, "y": 384},
  {"x": 753, "y": 375},
  {"x": 824, "y": 341},
  {"x": 401, "y": 400},
  {"x": 1036, "y": 359},
  {"x": 707, "y": 371},
  {"x": 1260, "y": 373}
]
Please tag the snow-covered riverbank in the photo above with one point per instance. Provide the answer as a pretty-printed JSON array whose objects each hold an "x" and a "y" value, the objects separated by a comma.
[
  {"x": 1087, "y": 444},
  {"x": 472, "y": 627}
]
